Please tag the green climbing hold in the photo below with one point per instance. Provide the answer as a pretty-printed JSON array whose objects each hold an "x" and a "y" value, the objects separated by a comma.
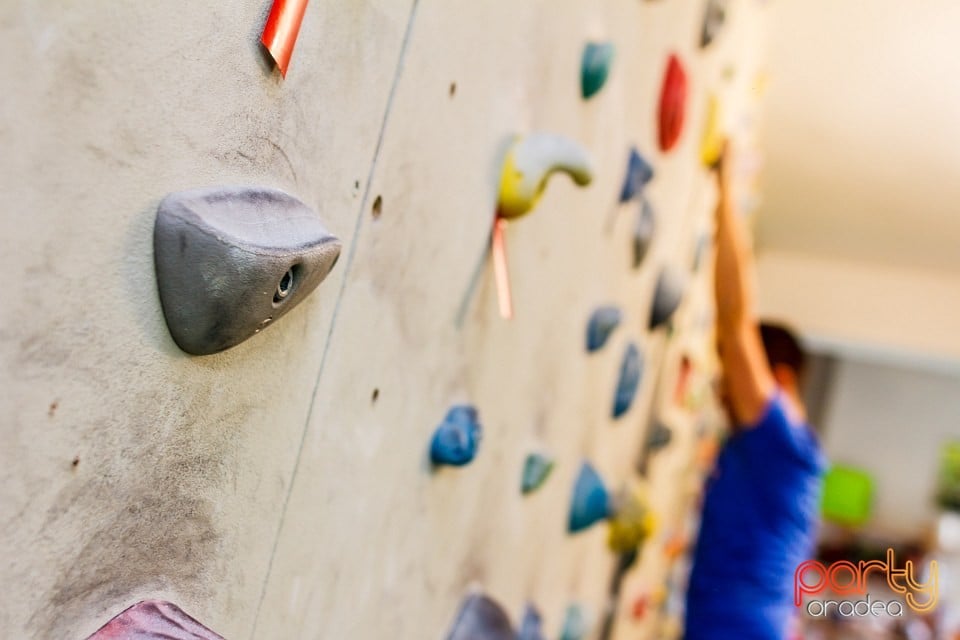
[
  {"x": 595, "y": 67},
  {"x": 536, "y": 470}
]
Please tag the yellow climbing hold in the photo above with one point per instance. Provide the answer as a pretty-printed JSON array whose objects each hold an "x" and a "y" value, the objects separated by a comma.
[
  {"x": 529, "y": 164},
  {"x": 711, "y": 146}
]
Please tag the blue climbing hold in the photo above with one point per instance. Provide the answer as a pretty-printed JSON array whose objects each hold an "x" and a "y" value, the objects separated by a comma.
[
  {"x": 639, "y": 173},
  {"x": 456, "y": 440},
  {"x": 530, "y": 626},
  {"x": 591, "y": 501},
  {"x": 536, "y": 468},
  {"x": 481, "y": 617},
  {"x": 595, "y": 67},
  {"x": 631, "y": 370},
  {"x": 602, "y": 323},
  {"x": 574, "y": 624}
]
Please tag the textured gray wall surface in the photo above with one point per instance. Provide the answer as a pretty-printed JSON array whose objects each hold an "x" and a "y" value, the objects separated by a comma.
[{"x": 281, "y": 489}]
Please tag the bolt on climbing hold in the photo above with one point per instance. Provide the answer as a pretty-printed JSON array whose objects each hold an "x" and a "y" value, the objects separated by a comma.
[
  {"x": 639, "y": 174},
  {"x": 456, "y": 440},
  {"x": 631, "y": 370},
  {"x": 671, "y": 284},
  {"x": 632, "y": 521},
  {"x": 673, "y": 103},
  {"x": 714, "y": 16},
  {"x": 711, "y": 145},
  {"x": 530, "y": 626},
  {"x": 536, "y": 469},
  {"x": 595, "y": 67},
  {"x": 591, "y": 501},
  {"x": 657, "y": 438},
  {"x": 529, "y": 163},
  {"x": 643, "y": 230},
  {"x": 575, "y": 623},
  {"x": 602, "y": 323},
  {"x": 232, "y": 260},
  {"x": 153, "y": 619},
  {"x": 481, "y": 617}
]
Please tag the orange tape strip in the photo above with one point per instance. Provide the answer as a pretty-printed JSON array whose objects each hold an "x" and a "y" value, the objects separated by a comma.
[
  {"x": 280, "y": 32},
  {"x": 500, "y": 271}
]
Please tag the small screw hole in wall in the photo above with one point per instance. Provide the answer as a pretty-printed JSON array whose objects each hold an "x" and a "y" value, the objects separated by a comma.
[
  {"x": 374, "y": 396},
  {"x": 75, "y": 462},
  {"x": 285, "y": 286},
  {"x": 377, "y": 207},
  {"x": 453, "y": 89}
]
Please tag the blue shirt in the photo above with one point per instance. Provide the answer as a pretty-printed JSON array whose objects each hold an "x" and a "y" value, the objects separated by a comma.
[{"x": 759, "y": 521}]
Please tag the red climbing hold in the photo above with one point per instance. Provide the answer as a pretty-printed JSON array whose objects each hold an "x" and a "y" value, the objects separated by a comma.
[{"x": 673, "y": 103}]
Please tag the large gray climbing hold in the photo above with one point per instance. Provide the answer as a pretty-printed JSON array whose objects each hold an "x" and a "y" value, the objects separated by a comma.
[
  {"x": 232, "y": 260},
  {"x": 666, "y": 298}
]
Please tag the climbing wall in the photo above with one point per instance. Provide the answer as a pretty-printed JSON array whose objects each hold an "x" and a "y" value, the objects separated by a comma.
[{"x": 282, "y": 488}]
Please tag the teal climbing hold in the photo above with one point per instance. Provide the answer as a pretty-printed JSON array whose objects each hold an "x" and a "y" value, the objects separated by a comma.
[
  {"x": 536, "y": 469},
  {"x": 595, "y": 67},
  {"x": 574, "y": 624},
  {"x": 591, "y": 500}
]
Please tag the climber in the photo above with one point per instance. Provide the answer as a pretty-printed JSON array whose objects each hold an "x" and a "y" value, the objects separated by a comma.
[{"x": 761, "y": 502}]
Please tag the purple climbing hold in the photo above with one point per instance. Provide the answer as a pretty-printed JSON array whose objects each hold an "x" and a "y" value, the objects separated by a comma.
[
  {"x": 481, "y": 618},
  {"x": 151, "y": 620},
  {"x": 530, "y": 626}
]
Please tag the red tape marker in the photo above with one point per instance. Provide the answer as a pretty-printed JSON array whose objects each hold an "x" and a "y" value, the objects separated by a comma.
[{"x": 280, "y": 32}]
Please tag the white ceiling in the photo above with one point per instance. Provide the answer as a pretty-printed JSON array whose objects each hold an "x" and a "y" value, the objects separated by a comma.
[{"x": 862, "y": 132}]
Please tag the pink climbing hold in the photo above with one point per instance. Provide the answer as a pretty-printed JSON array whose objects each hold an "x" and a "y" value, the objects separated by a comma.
[{"x": 152, "y": 619}]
